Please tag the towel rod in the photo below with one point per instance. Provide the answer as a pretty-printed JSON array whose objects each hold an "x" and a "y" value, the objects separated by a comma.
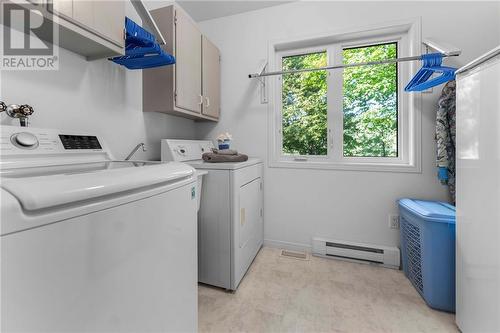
[{"x": 369, "y": 63}]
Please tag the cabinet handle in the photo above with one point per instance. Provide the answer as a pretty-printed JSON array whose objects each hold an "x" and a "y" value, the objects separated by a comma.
[
  {"x": 201, "y": 100},
  {"x": 208, "y": 101}
]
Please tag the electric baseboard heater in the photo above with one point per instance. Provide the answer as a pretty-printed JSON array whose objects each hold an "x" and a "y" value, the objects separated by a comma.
[{"x": 367, "y": 253}]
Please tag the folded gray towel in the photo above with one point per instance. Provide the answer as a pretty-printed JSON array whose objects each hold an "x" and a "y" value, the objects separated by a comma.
[
  {"x": 224, "y": 151},
  {"x": 220, "y": 158}
]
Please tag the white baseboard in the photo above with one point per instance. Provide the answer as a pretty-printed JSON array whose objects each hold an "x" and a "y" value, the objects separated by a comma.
[{"x": 288, "y": 245}]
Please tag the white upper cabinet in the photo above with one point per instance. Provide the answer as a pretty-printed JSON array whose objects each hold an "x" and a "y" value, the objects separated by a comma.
[
  {"x": 92, "y": 28},
  {"x": 191, "y": 87}
]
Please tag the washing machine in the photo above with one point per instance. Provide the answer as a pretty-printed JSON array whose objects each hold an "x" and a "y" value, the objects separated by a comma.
[
  {"x": 92, "y": 244},
  {"x": 231, "y": 216}
]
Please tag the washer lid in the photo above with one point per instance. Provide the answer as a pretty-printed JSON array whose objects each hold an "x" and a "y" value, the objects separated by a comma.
[{"x": 74, "y": 183}]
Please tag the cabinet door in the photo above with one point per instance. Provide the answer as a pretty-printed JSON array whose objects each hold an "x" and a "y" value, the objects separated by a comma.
[
  {"x": 105, "y": 18},
  {"x": 109, "y": 20},
  {"x": 63, "y": 7},
  {"x": 188, "y": 64},
  {"x": 83, "y": 13},
  {"x": 211, "y": 79}
]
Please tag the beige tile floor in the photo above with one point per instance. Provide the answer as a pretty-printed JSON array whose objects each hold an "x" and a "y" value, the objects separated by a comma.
[{"x": 320, "y": 295}]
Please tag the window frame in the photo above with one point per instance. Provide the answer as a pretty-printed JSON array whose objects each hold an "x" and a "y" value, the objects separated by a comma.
[{"x": 407, "y": 36}]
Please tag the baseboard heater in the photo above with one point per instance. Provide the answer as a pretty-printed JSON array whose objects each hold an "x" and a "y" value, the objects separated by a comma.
[{"x": 382, "y": 255}]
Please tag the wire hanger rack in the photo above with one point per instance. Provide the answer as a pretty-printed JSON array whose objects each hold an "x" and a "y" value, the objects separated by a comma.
[{"x": 446, "y": 50}]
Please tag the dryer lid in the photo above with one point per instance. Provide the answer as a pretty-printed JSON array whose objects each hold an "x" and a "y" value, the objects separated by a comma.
[{"x": 79, "y": 182}]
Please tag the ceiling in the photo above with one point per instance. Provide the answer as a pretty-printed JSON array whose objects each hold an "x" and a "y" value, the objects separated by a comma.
[{"x": 207, "y": 10}]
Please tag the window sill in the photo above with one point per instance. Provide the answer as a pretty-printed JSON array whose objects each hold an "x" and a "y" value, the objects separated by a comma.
[{"x": 347, "y": 166}]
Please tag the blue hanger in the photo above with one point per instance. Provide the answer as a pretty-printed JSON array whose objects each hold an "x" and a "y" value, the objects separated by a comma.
[
  {"x": 141, "y": 49},
  {"x": 144, "y": 62},
  {"x": 132, "y": 30},
  {"x": 431, "y": 65}
]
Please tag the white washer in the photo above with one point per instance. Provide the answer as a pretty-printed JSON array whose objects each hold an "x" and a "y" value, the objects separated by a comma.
[
  {"x": 230, "y": 219},
  {"x": 90, "y": 244}
]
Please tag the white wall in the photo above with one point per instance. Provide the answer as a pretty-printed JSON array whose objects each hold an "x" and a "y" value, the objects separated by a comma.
[
  {"x": 95, "y": 96},
  {"x": 300, "y": 204}
]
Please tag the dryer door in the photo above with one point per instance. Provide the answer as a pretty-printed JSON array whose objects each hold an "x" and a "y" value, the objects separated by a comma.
[
  {"x": 250, "y": 210},
  {"x": 249, "y": 226}
]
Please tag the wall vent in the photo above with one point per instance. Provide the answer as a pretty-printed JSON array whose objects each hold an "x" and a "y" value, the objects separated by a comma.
[
  {"x": 382, "y": 255},
  {"x": 294, "y": 255}
]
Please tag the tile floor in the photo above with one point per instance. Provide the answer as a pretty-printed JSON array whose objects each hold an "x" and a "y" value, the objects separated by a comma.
[{"x": 319, "y": 295}]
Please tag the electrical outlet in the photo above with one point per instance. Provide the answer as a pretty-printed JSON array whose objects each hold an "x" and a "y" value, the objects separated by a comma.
[{"x": 394, "y": 221}]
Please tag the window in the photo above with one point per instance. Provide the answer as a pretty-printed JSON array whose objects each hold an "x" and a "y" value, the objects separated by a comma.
[
  {"x": 356, "y": 118},
  {"x": 370, "y": 107},
  {"x": 304, "y": 106}
]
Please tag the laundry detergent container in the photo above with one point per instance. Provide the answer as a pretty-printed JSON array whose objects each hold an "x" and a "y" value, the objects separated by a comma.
[{"x": 428, "y": 250}]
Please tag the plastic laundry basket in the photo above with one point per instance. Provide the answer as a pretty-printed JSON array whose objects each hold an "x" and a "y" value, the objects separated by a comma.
[{"x": 428, "y": 250}]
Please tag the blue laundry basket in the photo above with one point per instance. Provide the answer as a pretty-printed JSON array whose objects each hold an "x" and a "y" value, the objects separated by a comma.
[{"x": 428, "y": 250}]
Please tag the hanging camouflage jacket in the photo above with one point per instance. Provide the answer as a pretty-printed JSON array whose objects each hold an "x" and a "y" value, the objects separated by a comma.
[{"x": 445, "y": 137}]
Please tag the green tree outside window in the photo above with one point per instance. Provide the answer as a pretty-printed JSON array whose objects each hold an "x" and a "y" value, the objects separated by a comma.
[
  {"x": 304, "y": 106},
  {"x": 369, "y": 104}
]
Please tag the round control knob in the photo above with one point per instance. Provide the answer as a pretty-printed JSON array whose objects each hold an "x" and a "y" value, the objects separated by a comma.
[
  {"x": 181, "y": 151},
  {"x": 25, "y": 140}
]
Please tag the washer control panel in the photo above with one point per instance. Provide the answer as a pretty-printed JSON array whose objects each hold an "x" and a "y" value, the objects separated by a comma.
[
  {"x": 79, "y": 141},
  {"x": 28, "y": 140}
]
